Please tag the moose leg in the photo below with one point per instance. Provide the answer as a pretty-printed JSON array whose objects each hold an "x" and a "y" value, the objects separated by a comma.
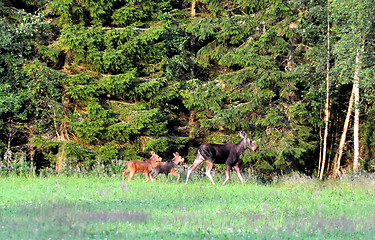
[
  {"x": 166, "y": 177},
  {"x": 154, "y": 176},
  {"x": 131, "y": 175},
  {"x": 227, "y": 173},
  {"x": 147, "y": 176},
  {"x": 150, "y": 176},
  {"x": 198, "y": 160},
  {"x": 173, "y": 172},
  {"x": 123, "y": 173},
  {"x": 178, "y": 177},
  {"x": 156, "y": 172},
  {"x": 208, "y": 171},
  {"x": 238, "y": 172}
]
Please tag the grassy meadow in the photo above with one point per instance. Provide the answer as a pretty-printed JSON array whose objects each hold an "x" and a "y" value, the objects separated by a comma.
[{"x": 104, "y": 208}]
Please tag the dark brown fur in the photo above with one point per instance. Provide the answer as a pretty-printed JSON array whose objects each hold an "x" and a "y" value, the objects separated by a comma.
[
  {"x": 227, "y": 154},
  {"x": 144, "y": 166},
  {"x": 169, "y": 167}
]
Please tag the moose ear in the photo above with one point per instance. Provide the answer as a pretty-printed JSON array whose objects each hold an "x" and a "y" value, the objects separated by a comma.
[{"x": 242, "y": 134}]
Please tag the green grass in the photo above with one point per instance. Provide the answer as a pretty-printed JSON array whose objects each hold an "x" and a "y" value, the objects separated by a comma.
[{"x": 105, "y": 208}]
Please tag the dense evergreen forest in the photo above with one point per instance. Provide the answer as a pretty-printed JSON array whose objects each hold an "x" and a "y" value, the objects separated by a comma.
[{"x": 86, "y": 85}]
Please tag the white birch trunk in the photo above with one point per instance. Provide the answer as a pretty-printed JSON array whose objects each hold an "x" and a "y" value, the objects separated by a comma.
[
  {"x": 337, "y": 160},
  {"x": 192, "y": 13},
  {"x": 326, "y": 119},
  {"x": 356, "y": 110}
]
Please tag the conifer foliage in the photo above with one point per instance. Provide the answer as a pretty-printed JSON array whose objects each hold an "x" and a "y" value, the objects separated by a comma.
[{"x": 86, "y": 83}]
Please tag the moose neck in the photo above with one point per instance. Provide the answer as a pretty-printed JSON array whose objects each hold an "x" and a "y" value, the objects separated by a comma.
[{"x": 241, "y": 147}]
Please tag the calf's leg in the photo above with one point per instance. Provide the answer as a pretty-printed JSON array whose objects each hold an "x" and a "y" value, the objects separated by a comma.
[
  {"x": 146, "y": 175},
  {"x": 174, "y": 173},
  {"x": 150, "y": 175},
  {"x": 166, "y": 177},
  {"x": 123, "y": 173},
  {"x": 156, "y": 172},
  {"x": 131, "y": 175}
]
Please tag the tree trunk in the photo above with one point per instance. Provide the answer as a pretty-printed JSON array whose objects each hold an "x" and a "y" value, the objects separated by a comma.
[
  {"x": 320, "y": 148},
  {"x": 193, "y": 3},
  {"x": 191, "y": 123},
  {"x": 326, "y": 119},
  {"x": 8, "y": 153},
  {"x": 61, "y": 130},
  {"x": 10, "y": 132},
  {"x": 61, "y": 154},
  {"x": 60, "y": 159},
  {"x": 337, "y": 160},
  {"x": 356, "y": 110}
]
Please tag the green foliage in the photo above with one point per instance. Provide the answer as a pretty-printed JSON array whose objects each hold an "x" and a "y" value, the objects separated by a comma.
[
  {"x": 86, "y": 44},
  {"x": 144, "y": 75},
  {"x": 44, "y": 89},
  {"x": 120, "y": 51},
  {"x": 92, "y": 128},
  {"x": 350, "y": 23},
  {"x": 104, "y": 12},
  {"x": 99, "y": 124},
  {"x": 252, "y": 92},
  {"x": 204, "y": 29},
  {"x": 138, "y": 120},
  {"x": 123, "y": 132},
  {"x": 152, "y": 121},
  {"x": 107, "y": 152},
  {"x": 15, "y": 91},
  {"x": 29, "y": 91},
  {"x": 136, "y": 12},
  {"x": 76, "y": 12},
  {"x": 166, "y": 144},
  {"x": 75, "y": 152},
  {"x": 82, "y": 88}
]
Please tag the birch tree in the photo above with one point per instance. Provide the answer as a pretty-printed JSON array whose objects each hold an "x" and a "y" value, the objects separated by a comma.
[
  {"x": 356, "y": 111},
  {"x": 326, "y": 119},
  {"x": 337, "y": 160},
  {"x": 354, "y": 31}
]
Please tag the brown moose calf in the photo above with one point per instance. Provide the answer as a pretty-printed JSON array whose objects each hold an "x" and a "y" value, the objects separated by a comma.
[
  {"x": 169, "y": 167},
  {"x": 144, "y": 166}
]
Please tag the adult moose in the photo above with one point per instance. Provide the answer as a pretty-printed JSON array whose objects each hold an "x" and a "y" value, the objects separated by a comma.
[{"x": 227, "y": 154}]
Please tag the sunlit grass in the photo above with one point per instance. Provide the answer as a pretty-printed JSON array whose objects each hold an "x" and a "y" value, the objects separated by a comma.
[{"x": 104, "y": 208}]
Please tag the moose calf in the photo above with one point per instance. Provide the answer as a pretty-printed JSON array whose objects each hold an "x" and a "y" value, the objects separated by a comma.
[
  {"x": 144, "y": 166},
  {"x": 169, "y": 167}
]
